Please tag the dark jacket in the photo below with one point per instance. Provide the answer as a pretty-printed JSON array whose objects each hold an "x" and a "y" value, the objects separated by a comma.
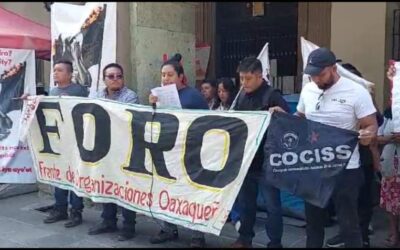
[{"x": 261, "y": 99}]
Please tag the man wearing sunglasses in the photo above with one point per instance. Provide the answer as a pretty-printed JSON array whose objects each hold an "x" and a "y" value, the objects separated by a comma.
[
  {"x": 334, "y": 100},
  {"x": 113, "y": 76}
]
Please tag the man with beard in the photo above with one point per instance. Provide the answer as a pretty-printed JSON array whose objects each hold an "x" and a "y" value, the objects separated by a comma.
[
  {"x": 365, "y": 198},
  {"x": 334, "y": 100}
]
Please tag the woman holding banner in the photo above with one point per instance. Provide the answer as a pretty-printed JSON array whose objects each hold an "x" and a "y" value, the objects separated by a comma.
[
  {"x": 390, "y": 170},
  {"x": 172, "y": 73},
  {"x": 390, "y": 186}
]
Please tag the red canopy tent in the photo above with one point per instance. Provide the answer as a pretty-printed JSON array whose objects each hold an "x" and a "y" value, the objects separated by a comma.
[{"x": 18, "y": 32}]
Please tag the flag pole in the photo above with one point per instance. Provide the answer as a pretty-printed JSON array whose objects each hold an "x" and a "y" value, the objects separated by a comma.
[{"x": 235, "y": 100}]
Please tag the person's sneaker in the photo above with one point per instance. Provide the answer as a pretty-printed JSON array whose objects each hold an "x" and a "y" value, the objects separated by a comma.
[
  {"x": 237, "y": 225},
  {"x": 370, "y": 229},
  {"x": 162, "y": 237},
  {"x": 56, "y": 215},
  {"x": 335, "y": 242},
  {"x": 198, "y": 243},
  {"x": 366, "y": 244},
  {"x": 126, "y": 234},
  {"x": 102, "y": 228},
  {"x": 240, "y": 244},
  {"x": 75, "y": 219}
]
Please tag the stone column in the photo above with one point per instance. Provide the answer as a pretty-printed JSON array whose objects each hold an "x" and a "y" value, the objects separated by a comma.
[{"x": 157, "y": 29}]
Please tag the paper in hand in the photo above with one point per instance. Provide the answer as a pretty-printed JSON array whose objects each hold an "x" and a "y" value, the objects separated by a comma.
[{"x": 167, "y": 96}]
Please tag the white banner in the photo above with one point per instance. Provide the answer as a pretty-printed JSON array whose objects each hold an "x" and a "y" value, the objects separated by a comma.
[
  {"x": 108, "y": 151},
  {"x": 307, "y": 47},
  {"x": 85, "y": 35},
  {"x": 18, "y": 76}
]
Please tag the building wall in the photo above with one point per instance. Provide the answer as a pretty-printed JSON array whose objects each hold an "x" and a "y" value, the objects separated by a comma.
[
  {"x": 123, "y": 41},
  {"x": 154, "y": 32},
  {"x": 358, "y": 36}
]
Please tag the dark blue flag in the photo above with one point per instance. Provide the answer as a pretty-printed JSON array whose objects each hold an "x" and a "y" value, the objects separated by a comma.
[{"x": 305, "y": 157}]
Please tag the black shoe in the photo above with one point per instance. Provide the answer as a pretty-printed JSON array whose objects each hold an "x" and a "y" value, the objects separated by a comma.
[
  {"x": 335, "y": 242},
  {"x": 162, "y": 237},
  {"x": 102, "y": 228},
  {"x": 126, "y": 234},
  {"x": 274, "y": 245},
  {"x": 56, "y": 215},
  {"x": 198, "y": 243},
  {"x": 240, "y": 244},
  {"x": 75, "y": 219}
]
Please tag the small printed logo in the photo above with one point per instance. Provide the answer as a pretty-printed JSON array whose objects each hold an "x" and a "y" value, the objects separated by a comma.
[
  {"x": 290, "y": 140},
  {"x": 314, "y": 137},
  {"x": 341, "y": 101}
]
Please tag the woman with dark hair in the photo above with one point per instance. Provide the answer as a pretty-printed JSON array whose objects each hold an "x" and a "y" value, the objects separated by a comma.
[
  {"x": 172, "y": 73},
  {"x": 226, "y": 93},
  {"x": 209, "y": 91}
]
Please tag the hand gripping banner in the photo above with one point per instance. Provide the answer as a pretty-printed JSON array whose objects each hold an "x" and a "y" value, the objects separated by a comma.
[
  {"x": 305, "y": 157},
  {"x": 181, "y": 166}
]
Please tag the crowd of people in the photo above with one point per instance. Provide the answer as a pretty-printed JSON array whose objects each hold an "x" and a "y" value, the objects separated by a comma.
[{"x": 329, "y": 99}]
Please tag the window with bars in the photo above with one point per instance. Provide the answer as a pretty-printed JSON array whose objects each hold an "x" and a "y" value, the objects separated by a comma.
[
  {"x": 240, "y": 34},
  {"x": 396, "y": 35}
]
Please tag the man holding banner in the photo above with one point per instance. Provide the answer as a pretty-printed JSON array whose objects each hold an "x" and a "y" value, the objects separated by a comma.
[
  {"x": 258, "y": 95},
  {"x": 340, "y": 102},
  {"x": 63, "y": 76},
  {"x": 113, "y": 76}
]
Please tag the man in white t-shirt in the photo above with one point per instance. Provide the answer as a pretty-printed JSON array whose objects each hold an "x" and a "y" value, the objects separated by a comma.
[{"x": 337, "y": 101}]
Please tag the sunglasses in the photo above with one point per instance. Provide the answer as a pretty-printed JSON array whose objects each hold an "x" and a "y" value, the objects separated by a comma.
[
  {"x": 114, "y": 77},
  {"x": 318, "y": 105}
]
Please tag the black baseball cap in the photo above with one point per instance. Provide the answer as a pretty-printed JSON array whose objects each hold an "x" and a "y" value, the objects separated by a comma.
[{"x": 318, "y": 60}]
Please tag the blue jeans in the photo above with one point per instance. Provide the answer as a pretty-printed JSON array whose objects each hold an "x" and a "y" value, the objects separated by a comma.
[
  {"x": 235, "y": 214},
  {"x": 61, "y": 197},
  {"x": 248, "y": 207},
  {"x": 109, "y": 215}
]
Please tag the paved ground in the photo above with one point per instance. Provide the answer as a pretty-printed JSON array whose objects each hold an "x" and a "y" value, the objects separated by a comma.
[{"x": 21, "y": 226}]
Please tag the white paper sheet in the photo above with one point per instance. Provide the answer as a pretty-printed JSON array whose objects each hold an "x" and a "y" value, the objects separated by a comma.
[{"x": 167, "y": 96}]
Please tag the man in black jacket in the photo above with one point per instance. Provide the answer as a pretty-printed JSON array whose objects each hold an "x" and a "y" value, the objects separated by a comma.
[{"x": 258, "y": 95}]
